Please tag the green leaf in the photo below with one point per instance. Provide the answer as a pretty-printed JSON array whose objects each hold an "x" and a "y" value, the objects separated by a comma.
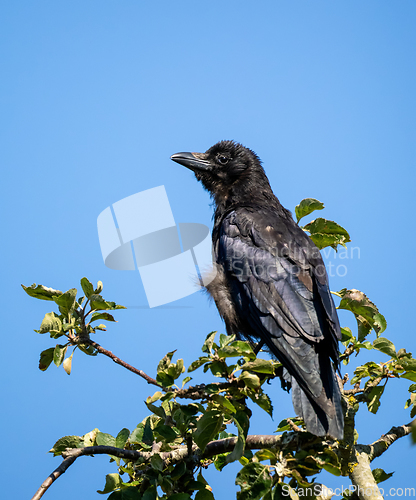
[
  {"x": 197, "y": 363},
  {"x": 157, "y": 410},
  {"x": 218, "y": 368},
  {"x": 175, "y": 370},
  {"x": 195, "y": 485},
  {"x": 237, "y": 348},
  {"x": 285, "y": 426},
  {"x": 186, "y": 380},
  {"x": 386, "y": 346},
  {"x": 333, "y": 469},
  {"x": 203, "y": 494},
  {"x": 250, "y": 380},
  {"x": 99, "y": 304},
  {"x": 46, "y": 358},
  {"x": 262, "y": 400},
  {"x": 88, "y": 349},
  {"x": 243, "y": 419},
  {"x": 409, "y": 376},
  {"x": 122, "y": 437},
  {"x": 207, "y": 346},
  {"x": 301, "y": 480},
  {"x": 380, "y": 323},
  {"x": 306, "y": 207},
  {"x": 65, "y": 328},
  {"x": 208, "y": 426},
  {"x": 374, "y": 396},
  {"x": 168, "y": 372},
  {"x": 167, "y": 433},
  {"x": 156, "y": 396},
  {"x": 259, "y": 366},
  {"x": 41, "y": 292},
  {"x": 178, "y": 471},
  {"x": 408, "y": 363},
  {"x": 238, "y": 450},
  {"x": 66, "y": 442},
  {"x": 112, "y": 482},
  {"x": 178, "y": 496},
  {"x": 364, "y": 327},
  {"x": 66, "y": 301},
  {"x": 346, "y": 335},
  {"x": 362, "y": 307},
  {"x": 59, "y": 354},
  {"x": 127, "y": 493},
  {"x": 220, "y": 461},
  {"x": 201, "y": 479},
  {"x": 137, "y": 434},
  {"x": 226, "y": 339},
  {"x": 156, "y": 462},
  {"x": 104, "y": 439},
  {"x": 224, "y": 402},
  {"x": 105, "y": 316},
  {"x": 89, "y": 437},
  {"x": 150, "y": 493},
  {"x": 87, "y": 287},
  {"x": 325, "y": 233},
  {"x": 148, "y": 433},
  {"x": 165, "y": 361},
  {"x": 380, "y": 475},
  {"x": 50, "y": 323},
  {"x": 254, "y": 480},
  {"x": 266, "y": 455},
  {"x": 99, "y": 288}
]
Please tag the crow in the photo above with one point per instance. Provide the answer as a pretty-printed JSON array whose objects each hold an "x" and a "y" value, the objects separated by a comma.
[{"x": 271, "y": 286}]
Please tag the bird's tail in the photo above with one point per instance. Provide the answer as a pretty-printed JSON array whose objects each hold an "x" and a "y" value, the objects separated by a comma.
[{"x": 322, "y": 415}]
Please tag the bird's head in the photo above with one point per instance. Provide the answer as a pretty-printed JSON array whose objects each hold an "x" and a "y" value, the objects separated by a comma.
[{"x": 227, "y": 170}]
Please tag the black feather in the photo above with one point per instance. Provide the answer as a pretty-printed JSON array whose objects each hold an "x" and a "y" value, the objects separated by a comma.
[{"x": 271, "y": 284}]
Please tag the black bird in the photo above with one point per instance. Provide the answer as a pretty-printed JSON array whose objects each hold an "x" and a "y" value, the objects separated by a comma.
[{"x": 271, "y": 285}]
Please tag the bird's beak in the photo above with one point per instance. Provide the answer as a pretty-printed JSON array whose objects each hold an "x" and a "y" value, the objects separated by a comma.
[{"x": 193, "y": 161}]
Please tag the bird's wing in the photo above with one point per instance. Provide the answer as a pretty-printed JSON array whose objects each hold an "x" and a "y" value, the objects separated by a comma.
[{"x": 281, "y": 293}]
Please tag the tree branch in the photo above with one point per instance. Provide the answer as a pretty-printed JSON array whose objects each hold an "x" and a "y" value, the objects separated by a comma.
[
  {"x": 292, "y": 441},
  {"x": 360, "y": 471},
  {"x": 199, "y": 391},
  {"x": 53, "y": 477},
  {"x": 192, "y": 392},
  {"x": 382, "y": 444},
  {"x": 119, "y": 361},
  {"x": 363, "y": 480}
]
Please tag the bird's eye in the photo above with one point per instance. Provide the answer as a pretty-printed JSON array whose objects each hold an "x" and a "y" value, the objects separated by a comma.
[{"x": 223, "y": 159}]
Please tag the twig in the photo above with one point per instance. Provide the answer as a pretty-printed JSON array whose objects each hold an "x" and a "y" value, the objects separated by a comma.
[
  {"x": 193, "y": 392},
  {"x": 198, "y": 391},
  {"x": 119, "y": 361},
  {"x": 293, "y": 426}
]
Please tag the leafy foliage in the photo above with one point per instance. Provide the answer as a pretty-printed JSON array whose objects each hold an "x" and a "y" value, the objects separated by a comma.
[
  {"x": 192, "y": 427},
  {"x": 74, "y": 321},
  {"x": 324, "y": 233}
]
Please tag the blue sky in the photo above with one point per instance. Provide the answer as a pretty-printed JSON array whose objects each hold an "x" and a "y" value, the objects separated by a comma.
[{"x": 95, "y": 97}]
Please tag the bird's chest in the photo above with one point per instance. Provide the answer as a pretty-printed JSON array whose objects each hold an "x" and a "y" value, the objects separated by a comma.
[{"x": 221, "y": 290}]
